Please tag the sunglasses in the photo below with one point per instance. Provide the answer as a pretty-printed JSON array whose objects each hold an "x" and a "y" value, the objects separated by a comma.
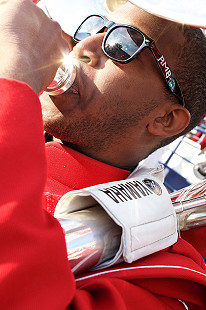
[{"x": 122, "y": 43}]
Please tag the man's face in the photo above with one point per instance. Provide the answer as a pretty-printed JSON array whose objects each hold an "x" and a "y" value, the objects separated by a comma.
[{"x": 110, "y": 103}]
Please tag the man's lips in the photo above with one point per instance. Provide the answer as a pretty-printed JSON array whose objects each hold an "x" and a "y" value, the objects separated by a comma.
[
  {"x": 74, "y": 88},
  {"x": 81, "y": 87}
]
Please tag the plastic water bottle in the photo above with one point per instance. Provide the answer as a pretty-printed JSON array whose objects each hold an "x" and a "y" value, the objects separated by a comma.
[
  {"x": 66, "y": 73},
  {"x": 64, "y": 78}
]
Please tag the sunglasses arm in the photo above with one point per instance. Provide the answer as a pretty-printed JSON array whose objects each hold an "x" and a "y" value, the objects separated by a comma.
[{"x": 167, "y": 73}]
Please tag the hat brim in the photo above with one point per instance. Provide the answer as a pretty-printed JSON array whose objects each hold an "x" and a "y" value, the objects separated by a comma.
[{"x": 190, "y": 12}]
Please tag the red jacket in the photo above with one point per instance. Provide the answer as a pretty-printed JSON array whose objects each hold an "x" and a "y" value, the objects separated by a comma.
[
  {"x": 34, "y": 271},
  {"x": 70, "y": 170}
]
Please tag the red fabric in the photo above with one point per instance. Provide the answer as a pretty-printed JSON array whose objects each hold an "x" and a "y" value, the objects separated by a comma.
[
  {"x": 196, "y": 237},
  {"x": 203, "y": 143},
  {"x": 196, "y": 137},
  {"x": 34, "y": 272},
  {"x": 85, "y": 172},
  {"x": 31, "y": 240}
]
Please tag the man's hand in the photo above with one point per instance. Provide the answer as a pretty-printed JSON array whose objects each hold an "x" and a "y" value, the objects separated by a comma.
[{"x": 31, "y": 45}]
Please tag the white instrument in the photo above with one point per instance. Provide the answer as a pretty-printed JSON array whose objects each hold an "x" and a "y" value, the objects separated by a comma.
[{"x": 126, "y": 220}]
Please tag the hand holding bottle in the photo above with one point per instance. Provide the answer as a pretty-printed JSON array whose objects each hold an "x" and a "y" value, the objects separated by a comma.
[{"x": 31, "y": 44}]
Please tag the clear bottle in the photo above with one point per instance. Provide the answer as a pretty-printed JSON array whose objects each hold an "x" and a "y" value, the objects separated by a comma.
[
  {"x": 64, "y": 78},
  {"x": 66, "y": 73}
]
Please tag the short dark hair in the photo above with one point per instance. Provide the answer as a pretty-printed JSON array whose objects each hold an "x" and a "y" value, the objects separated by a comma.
[{"x": 190, "y": 72}]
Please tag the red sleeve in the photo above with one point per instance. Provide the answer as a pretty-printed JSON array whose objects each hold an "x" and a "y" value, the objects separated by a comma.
[{"x": 34, "y": 272}]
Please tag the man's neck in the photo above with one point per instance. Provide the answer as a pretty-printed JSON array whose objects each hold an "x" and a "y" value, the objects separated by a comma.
[{"x": 110, "y": 158}]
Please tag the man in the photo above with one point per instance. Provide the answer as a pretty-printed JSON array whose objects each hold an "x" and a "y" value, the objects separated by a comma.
[
  {"x": 120, "y": 118},
  {"x": 35, "y": 273}
]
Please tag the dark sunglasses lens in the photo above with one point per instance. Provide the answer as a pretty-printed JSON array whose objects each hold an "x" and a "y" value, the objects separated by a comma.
[
  {"x": 123, "y": 42},
  {"x": 89, "y": 27}
]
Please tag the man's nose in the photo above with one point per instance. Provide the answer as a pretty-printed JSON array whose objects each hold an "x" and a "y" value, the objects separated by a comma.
[{"x": 90, "y": 49}]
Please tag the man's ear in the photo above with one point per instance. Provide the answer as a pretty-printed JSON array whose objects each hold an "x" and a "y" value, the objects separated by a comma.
[{"x": 174, "y": 120}]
